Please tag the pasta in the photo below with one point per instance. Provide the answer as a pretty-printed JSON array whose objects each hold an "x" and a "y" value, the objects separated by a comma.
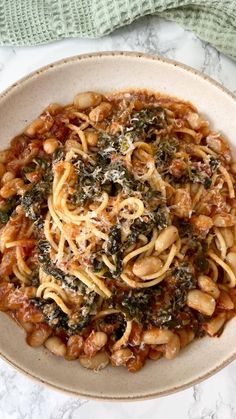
[{"x": 117, "y": 229}]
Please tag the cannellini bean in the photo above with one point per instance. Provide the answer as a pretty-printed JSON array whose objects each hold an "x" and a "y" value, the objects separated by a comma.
[
  {"x": 34, "y": 127},
  {"x": 96, "y": 363},
  {"x": 232, "y": 293},
  {"x": 224, "y": 220},
  {"x": 38, "y": 337},
  {"x": 55, "y": 345},
  {"x": 146, "y": 265},
  {"x": 186, "y": 336},
  {"x": 166, "y": 238},
  {"x": 3, "y": 156},
  {"x": 217, "y": 144},
  {"x": 157, "y": 336},
  {"x": 202, "y": 302},
  {"x": 101, "y": 112},
  {"x": 74, "y": 346},
  {"x": 2, "y": 169},
  {"x": 28, "y": 326},
  {"x": 206, "y": 284},
  {"x": 12, "y": 187},
  {"x": 225, "y": 302},
  {"x": 121, "y": 357},
  {"x": 95, "y": 342},
  {"x": 53, "y": 108},
  {"x": 7, "y": 176},
  {"x": 172, "y": 347},
  {"x": 202, "y": 223},
  {"x": 154, "y": 354},
  {"x": 214, "y": 325},
  {"x": 87, "y": 100},
  {"x": 233, "y": 168},
  {"x": 91, "y": 137},
  {"x": 182, "y": 203},
  {"x": 231, "y": 259},
  {"x": 72, "y": 144},
  {"x": 50, "y": 145},
  {"x": 228, "y": 236},
  {"x": 194, "y": 120}
]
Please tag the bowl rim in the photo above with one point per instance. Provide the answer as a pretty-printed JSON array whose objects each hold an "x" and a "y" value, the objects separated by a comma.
[{"x": 76, "y": 58}]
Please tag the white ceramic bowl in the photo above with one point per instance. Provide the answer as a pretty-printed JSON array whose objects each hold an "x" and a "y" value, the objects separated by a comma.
[{"x": 107, "y": 72}]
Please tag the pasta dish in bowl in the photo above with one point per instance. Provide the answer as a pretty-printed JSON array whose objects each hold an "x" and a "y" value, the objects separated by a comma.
[
  {"x": 117, "y": 239},
  {"x": 117, "y": 226}
]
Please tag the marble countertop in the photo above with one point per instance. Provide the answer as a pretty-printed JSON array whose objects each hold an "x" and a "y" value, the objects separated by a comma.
[{"x": 21, "y": 398}]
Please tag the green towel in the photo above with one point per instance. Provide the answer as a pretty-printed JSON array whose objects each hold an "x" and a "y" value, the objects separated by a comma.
[{"x": 31, "y": 22}]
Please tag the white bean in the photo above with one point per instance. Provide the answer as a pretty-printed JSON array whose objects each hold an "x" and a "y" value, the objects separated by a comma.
[
  {"x": 34, "y": 127},
  {"x": 101, "y": 112},
  {"x": 172, "y": 347},
  {"x": 225, "y": 302},
  {"x": 233, "y": 168},
  {"x": 194, "y": 120},
  {"x": 157, "y": 336},
  {"x": 2, "y": 169},
  {"x": 71, "y": 144},
  {"x": 202, "y": 302},
  {"x": 7, "y": 176},
  {"x": 146, "y": 266},
  {"x": 12, "y": 187},
  {"x": 95, "y": 342},
  {"x": 121, "y": 356},
  {"x": 182, "y": 203},
  {"x": 50, "y": 145},
  {"x": 214, "y": 325},
  {"x": 55, "y": 345},
  {"x": 206, "y": 284},
  {"x": 91, "y": 137},
  {"x": 38, "y": 337},
  {"x": 224, "y": 220},
  {"x": 96, "y": 363},
  {"x": 87, "y": 100},
  {"x": 166, "y": 238},
  {"x": 231, "y": 259},
  {"x": 228, "y": 236},
  {"x": 3, "y": 156},
  {"x": 186, "y": 336}
]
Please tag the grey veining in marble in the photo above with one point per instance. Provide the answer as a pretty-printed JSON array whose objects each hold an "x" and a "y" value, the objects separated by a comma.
[{"x": 21, "y": 398}]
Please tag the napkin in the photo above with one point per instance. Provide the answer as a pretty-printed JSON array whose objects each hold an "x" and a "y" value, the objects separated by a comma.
[{"x": 33, "y": 22}]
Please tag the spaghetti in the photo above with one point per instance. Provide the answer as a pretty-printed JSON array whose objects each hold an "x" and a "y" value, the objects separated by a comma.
[{"x": 117, "y": 217}]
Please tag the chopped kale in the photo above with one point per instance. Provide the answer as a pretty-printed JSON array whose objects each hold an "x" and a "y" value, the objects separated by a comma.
[
  {"x": 214, "y": 163},
  {"x": 199, "y": 176},
  {"x": 42, "y": 162},
  {"x": 7, "y": 209},
  {"x": 33, "y": 199},
  {"x": 158, "y": 219},
  {"x": 137, "y": 304},
  {"x": 58, "y": 155},
  {"x": 185, "y": 280},
  {"x": 4, "y": 217},
  {"x": 34, "y": 277},
  {"x": 97, "y": 263},
  {"x": 185, "y": 228},
  {"x": 49, "y": 268},
  {"x": 200, "y": 260},
  {"x": 165, "y": 151},
  {"x": 173, "y": 314},
  {"x": 114, "y": 241},
  {"x": 118, "y": 262},
  {"x": 153, "y": 117}
]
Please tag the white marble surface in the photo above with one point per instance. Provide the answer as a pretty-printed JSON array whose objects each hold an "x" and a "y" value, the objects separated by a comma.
[{"x": 21, "y": 398}]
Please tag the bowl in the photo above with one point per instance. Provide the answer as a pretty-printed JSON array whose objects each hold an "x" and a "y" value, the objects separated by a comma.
[{"x": 106, "y": 72}]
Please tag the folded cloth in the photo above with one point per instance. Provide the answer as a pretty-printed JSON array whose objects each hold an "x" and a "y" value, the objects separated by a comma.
[{"x": 33, "y": 22}]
